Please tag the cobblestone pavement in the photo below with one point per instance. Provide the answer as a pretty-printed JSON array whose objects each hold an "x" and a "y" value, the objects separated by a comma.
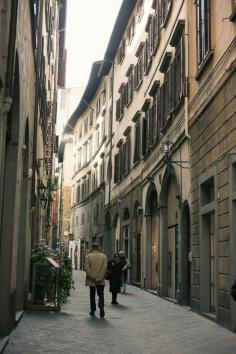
[{"x": 142, "y": 323}]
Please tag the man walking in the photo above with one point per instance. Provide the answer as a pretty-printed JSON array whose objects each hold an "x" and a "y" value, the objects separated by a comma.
[{"x": 95, "y": 267}]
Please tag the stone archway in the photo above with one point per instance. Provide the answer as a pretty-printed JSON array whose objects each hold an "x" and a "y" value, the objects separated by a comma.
[
  {"x": 137, "y": 244},
  {"x": 169, "y": 218},
  {"x": 151, "y": 238},
  {"x": 117, "y": 229}
]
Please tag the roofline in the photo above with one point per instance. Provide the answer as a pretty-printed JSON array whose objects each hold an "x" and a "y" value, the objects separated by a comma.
[
  {"x": 89, "y": 93},
  {"x": 119, "y": 28}
]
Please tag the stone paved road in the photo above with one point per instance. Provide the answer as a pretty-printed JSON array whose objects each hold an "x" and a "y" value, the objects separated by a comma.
[{"x": 142, "y": 323}]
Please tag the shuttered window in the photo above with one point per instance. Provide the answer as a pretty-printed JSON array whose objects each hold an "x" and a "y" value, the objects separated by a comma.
[
  {"x": 117, "y": 168},
  {"x": 203, "y": 29},
  {"x": 165, "y": 11}
]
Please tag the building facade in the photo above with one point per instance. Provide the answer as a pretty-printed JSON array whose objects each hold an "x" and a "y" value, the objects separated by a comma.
[
  {"x": 169, "y": 152},
  {"x": 212, "y": 126},
  {"x": 28, "y": 71}
]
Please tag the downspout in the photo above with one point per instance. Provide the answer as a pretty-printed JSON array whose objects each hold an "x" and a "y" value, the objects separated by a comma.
[
  {"x": 186, "y": 98},
  {"x": 110, "y": 152}
]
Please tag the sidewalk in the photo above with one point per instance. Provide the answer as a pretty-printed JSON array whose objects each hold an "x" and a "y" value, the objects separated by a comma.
[{"x": 142, "y": 323}]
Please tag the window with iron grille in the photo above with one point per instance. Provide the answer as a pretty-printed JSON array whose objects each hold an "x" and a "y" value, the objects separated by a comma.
[{"x": 203, "y": 29}]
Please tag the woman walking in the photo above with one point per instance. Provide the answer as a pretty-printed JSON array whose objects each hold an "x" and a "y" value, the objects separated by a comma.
[{"x": 115, "y": 269}]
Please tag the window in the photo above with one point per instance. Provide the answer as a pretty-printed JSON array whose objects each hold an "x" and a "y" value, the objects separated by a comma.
[
  {"x": 111, "y": 85},
  {"x": 86, "y": 126},
  {"x": 121, "y": 52},
  {"x": 117, "y": 167},
  {"x": 102, "y": 171},
  {"x": 203, "y": 30},
  {"x": 137, "y": 137},
  {"x": 121, "y": 102},
  {"x": 98, "y": 107},
  {"x": 78, "y": 194},
  {"x": 79, "y": 158},
  {"x": 233, "y": 14},
  {"x": 178, "y": 75},
  {"x": 125, "y": 151},
  {"x": 155, "y": 30},
  {"x": 131, "y": 30},
  {"x": 165, "y": 11},
  {"x": 91, "y": 119},
  {"x": 80, "y": 132},
  {"x": 138, "y": 71},
  {"x": 140, "y": 11},
  {"x": 130, "y": 88},
  {"x": 82, "y": 219},
  {"x": 110, "y": 123}
]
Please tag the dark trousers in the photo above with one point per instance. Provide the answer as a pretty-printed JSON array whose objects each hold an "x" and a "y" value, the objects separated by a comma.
[
  {"x": 114, "y": 296},
  {"x": 100, "y": 292}
]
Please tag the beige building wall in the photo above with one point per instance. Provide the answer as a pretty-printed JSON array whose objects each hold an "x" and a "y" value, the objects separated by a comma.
[{"x": 213, "y": 131}]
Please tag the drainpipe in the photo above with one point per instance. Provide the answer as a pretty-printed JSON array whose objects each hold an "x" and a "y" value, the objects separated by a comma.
[
  {"x": 186, "y": 99},
  {"x": 110, "y": 154}
]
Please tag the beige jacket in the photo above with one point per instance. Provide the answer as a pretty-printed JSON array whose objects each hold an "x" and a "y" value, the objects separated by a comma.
[{"x": 95, "y": 267}]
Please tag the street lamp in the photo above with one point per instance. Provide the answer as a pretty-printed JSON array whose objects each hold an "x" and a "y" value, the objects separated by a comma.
[
  {"x": 42, "y": 194},
  {"x": 166, "y": 149}
]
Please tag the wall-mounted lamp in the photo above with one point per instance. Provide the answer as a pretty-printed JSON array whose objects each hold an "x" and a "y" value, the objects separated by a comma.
[
  {"x": 42, "y": 194},
  {"x": 166, "y": 150}
]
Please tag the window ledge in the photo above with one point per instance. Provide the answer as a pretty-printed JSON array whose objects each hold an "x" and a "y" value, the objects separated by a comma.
[{"x": 204, "y": 64}]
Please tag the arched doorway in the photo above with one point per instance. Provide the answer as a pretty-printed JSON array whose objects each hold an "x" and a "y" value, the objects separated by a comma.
[
  {"x": 169, "y": 209},
  {"x": 136, "y": 253},
  {"x": 125, "y": 233},
  {"x": 117, "y": 233},
  {"x": 186, "y": 258},
  {"x": 151, "y": 238}
]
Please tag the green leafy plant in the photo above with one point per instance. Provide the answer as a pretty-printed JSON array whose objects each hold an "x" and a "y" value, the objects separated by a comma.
[{"x": 65, "y": 280}]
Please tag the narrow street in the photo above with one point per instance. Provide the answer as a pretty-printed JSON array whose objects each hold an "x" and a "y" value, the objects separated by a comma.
[{"x": 141, "y": 323}]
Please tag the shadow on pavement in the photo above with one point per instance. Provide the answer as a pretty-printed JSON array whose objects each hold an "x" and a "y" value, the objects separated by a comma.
[{"x": 96, "y": 322}]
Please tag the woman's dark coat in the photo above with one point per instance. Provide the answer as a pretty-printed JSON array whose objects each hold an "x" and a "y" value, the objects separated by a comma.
[{"x": 115, "y": 270}]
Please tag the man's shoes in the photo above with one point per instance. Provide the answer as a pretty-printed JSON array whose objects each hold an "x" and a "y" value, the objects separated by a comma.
[
  {"x": 115, "y": 303},
  {"x": 91, "y": 313},
  {"x": 102, "y": 312}
]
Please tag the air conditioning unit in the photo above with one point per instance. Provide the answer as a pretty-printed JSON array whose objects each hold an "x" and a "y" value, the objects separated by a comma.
[{"x": 139, "y": 211}]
